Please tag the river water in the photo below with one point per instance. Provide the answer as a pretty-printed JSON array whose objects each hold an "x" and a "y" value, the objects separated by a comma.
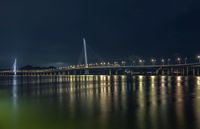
[{"x": 100, "y": 102}]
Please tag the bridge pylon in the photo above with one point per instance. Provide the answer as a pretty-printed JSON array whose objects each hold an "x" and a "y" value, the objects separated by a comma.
[
  {"x": 15, "y": 67},
  {"x": 85, "y": 56}
]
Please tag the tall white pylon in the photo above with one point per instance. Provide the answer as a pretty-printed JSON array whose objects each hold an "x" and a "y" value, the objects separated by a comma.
[
  {"x": 85, "y": 52},
  {"x": 15, "y": 67}
]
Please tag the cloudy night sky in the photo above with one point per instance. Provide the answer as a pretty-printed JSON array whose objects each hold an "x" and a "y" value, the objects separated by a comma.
[{"x": 44, "y": 32}]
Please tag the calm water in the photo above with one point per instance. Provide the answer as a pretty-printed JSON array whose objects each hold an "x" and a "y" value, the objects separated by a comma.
[{"x": 100, "y": 102}]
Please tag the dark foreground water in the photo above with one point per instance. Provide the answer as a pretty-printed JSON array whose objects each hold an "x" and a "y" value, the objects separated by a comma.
[{"x": 79, "y": 102}]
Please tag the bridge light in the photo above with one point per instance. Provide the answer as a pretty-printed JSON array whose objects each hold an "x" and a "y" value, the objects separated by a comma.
[
  {"x": 163, "y": 61},
  {"x": 123, "y": 62},
  {"x": 133, "y": 62},
  {"x": 179, "y": 60},
  {"x": 168, "y": 61},
  {"x": 116, "y": 63},
  {"x": 153, "y": 61},
  {"x": 185, "y": 60},
  {"x": 198, "y": 57},
  {"x": 141, "y": 62}
]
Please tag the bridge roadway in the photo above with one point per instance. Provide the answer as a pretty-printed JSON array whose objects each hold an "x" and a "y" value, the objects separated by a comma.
[{"x": 173, "y": 69}]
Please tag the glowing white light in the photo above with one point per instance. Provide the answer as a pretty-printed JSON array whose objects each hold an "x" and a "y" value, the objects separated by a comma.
[
  {"x": 15, "y": 67},
  {"x": 179, "y": 79}
]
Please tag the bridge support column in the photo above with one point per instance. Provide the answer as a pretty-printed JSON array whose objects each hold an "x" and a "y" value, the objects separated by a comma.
[
  {"x": 157, "y": 72},
  {"x": 187, "y": 71},
  {"x": 168, "y": 71},
  {"x": 177, "y": 72},
  {"x": 163, "y": 72},
  {"x": 193, "y": 71},
  {"x": 110, "y": 72},
  {"x": 183, "y": 71},
  {"x": 74, "y": 72},
  {"x": 116, "y": 72},
  {"x": 172, "y": 71},
  {"x": 86, "y": 72}
]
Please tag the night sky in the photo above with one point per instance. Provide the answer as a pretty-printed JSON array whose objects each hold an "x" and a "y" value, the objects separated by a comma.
[{"x": 47, "y": 32}]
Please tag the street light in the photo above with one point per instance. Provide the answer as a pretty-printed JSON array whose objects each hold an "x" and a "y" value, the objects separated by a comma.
[
  {"x": 133, "y": 62},
  {"x": 123, "y": 63},
  {"x": 153, "y": 61},
  {"x": 141, "y": 61},
  {"x": 115, "y": 63},
  {"x": 163, "y": 61},
  {"x": 198, "y": 57},
  {"x": 179, "y": 60},
  {"x": 185, "y": 60},
  {"x": 168, "y": 61}
]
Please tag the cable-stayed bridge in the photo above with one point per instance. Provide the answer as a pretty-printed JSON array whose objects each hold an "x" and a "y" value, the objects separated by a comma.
[{"x": 110, "y": 69}]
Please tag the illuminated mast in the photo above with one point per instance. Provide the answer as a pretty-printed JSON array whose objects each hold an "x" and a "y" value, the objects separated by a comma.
[
  {"x": 85, "y": 52},
  {"x": 15, "y": 67}
]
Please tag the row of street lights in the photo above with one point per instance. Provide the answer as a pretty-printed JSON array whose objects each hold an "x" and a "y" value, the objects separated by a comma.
[
  {"x": 164, "y": 61},
  {"x": 153, "y": 61}
]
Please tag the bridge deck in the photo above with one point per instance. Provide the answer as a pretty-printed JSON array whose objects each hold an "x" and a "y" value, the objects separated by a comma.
[{"x": 110, "y": 67}]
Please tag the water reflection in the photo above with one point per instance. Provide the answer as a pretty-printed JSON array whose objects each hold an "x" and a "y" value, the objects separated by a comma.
[
  {"x": 14, "y": 100},
  {"x": 14, "y": 89},
  {"x": 99, "y": 101},
  {"x": 153, "y": 106},
  {"x": 179, "y": 101},
  {"x": 197, "y": 102}
]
